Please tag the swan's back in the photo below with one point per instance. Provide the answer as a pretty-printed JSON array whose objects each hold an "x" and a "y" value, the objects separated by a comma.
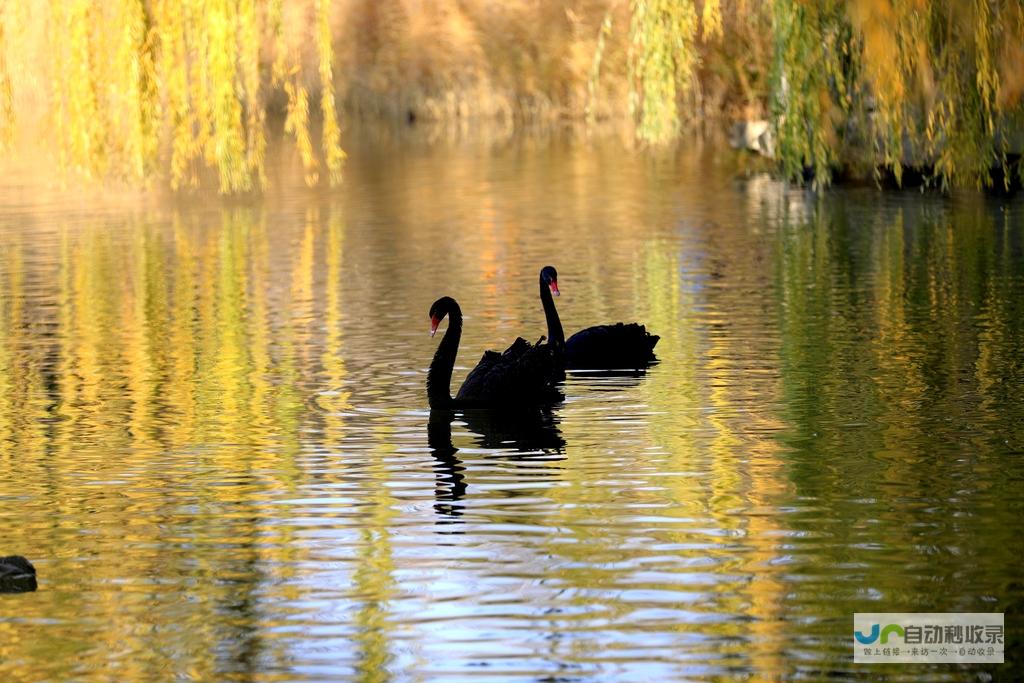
[
  {"x": 524, "y": 374},
  {"x": 619, "y": 346}
]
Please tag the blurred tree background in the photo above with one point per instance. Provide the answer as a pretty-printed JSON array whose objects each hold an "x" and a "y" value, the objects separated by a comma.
[{"x": 159, "y": 90}]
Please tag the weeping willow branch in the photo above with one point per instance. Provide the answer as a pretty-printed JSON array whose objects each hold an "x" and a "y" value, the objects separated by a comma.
[
  {"x": 663, "y": 60},
  {"x": 334, "y": 156},
  {"x": 146, "y": 87},
  {"x": 811, "y": 95},
  {"x": 916, "y": 83}
]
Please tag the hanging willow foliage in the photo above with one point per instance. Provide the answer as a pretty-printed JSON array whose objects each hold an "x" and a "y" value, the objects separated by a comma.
[
  {"x": 858, "y": 85},
  {"x": 334, "y": 156},
  {"x": 811, "y": 98},
  {"x": 910, "y": 82},
  {"x": 138, "y": 89},
  {"x": 662, "y": 64},
  {"x": 136, "y": 85}
]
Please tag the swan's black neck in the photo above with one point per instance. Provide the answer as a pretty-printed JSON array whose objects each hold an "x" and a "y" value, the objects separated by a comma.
[
  {"x": 439, "y": 377},
  {"x": 555, "y": 335}
]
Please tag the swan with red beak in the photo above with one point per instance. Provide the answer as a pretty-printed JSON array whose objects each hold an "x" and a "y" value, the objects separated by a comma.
[
  {"x": 621, "y": 346},
  {"x": 523, "y": 375}
]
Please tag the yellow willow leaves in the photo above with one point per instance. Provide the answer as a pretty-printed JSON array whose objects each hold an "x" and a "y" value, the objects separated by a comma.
[
  {"x": 894, "y": 54},
  {"x": 134, "y": 75},
  {"x": 857, "y": 85},
  {"x": 334, "y": 156},
  {"x": 140, "y": 87},
  {"x": 79, "y": 122},
  {"x": 297, "y": 124},
  {"x": 6, "y": 104},
  {"x": 663, "y": 62},
  {"x": 180, "y": 116},
  {"x": 275, "y": 20},
  {"x": 256, "y": 139},
  {"x": 227, "y": 146},
  {"x": 711, "y": 19}
]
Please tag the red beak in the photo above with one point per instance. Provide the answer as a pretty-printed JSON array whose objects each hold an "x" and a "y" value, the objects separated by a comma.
[
  {"x": 554, "y": 287},
  {"x": 434, "y": 322}
]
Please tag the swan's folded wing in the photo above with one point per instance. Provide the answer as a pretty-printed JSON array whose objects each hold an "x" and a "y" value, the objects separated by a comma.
[
  {"x": 522, "y": 374},
  {"x": 477, "y": 377},
  {"x": 622, "y": 345},
  {"x": 531, "y": 374}
]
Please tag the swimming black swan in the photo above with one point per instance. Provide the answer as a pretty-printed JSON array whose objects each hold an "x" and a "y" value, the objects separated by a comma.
[
  {"x": 622, "y": 346},
  {"x": 523, "y": 375},
  {"x": 17, "y": 575}
]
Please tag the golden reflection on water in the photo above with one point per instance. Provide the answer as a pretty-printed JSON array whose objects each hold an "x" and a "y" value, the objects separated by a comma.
[{"x": 214, "y": 429}]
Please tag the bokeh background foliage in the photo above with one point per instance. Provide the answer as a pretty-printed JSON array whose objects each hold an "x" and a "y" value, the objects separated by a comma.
[{"x": 163, "y": 89}]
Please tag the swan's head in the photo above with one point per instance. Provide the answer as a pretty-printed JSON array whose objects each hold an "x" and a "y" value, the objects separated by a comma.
[
  {"x": 441, "y": 308},
  {"x": 549, "y": 276}
]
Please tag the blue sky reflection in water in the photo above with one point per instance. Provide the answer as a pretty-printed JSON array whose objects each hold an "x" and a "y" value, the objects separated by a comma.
[{"x": 217, "y": 451}]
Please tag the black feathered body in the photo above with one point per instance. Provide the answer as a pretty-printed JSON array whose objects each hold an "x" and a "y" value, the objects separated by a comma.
[
  {"x": 622, "y": 346},
  {"x": 17, "y": 575},
  {"x": 524, "y": 374}
]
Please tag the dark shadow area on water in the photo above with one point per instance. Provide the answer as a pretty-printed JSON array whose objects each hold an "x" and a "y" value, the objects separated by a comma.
[
  {"x": 525, "y": 434},
  {"x": 608, "y": 380},
  {"x": 518, "y": 434}
]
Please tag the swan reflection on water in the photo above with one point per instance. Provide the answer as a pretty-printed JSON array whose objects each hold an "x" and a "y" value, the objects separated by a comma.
[
  {"x": 451, "y": 483},
  {"x": 514, "y": 435},
  {"x": 525, "y": 435},
  {"x": 606, "y": 380}
]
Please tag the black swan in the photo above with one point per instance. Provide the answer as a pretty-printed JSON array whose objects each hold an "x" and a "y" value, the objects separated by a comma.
[
  {"x": 622, "y": 346},
  {"x": 17, "y": 575},
  {"x": 525, "y": 374}
]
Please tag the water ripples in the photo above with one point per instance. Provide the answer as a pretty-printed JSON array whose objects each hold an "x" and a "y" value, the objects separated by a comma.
[{"x": 219, "y": 456}]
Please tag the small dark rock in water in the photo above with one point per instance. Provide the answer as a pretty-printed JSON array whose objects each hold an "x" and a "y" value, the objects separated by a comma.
[{"x": 17, "y": 575}]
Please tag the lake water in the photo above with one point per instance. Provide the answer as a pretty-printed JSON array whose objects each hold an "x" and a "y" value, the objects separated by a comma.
[{"x": 215, "y": 444}]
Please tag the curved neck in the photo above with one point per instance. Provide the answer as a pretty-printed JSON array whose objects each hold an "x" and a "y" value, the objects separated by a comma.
[
  {"x": 439, "y": 377},
  {"x": 555, "y": 335}
]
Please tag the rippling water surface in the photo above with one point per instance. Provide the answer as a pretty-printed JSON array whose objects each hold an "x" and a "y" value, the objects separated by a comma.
[{"x": 216, "y": 449}]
